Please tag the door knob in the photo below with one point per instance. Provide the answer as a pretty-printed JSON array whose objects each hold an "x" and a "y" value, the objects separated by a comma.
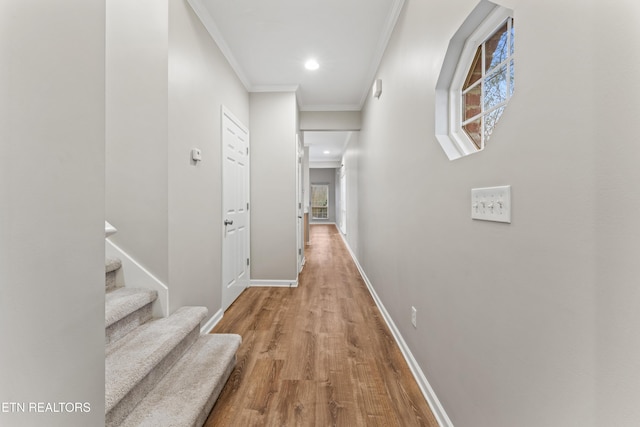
[{"x": 228, "y": 222}]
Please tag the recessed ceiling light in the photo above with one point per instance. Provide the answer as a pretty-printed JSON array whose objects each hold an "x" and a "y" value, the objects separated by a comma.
[
  {"x": 327, "y": 152},
  {"x": 311, "y": 65}
]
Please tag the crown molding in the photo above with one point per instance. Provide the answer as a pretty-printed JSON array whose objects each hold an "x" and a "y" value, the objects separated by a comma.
[{"x": 211, "y": 27}]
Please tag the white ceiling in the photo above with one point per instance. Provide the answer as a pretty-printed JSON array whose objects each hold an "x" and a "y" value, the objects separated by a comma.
[
  {"x": 326, "y": 146},
  {"x": 268, "y": 42}
]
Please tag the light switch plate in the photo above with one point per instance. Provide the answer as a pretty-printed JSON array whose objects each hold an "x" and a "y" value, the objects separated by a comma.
[
  {"x": 491, "y": 203},
  {"x": 196, "y": 154}
]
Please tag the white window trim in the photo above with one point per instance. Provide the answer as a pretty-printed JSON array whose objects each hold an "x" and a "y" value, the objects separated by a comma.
[{"x": 483, "y": 21}]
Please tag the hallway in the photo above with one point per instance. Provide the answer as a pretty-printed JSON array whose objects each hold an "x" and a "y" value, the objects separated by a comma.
[{"x": 317, "y": 355}]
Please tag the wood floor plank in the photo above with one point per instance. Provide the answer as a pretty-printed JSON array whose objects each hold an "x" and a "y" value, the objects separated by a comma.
[
  {"x": 296, "y": 405},
  {"x": 317, "y": 355},
  {"x": 264, "y": 384}
]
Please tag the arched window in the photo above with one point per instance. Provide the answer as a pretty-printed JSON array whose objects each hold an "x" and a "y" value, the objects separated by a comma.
[{"x": 476, "y": 81}]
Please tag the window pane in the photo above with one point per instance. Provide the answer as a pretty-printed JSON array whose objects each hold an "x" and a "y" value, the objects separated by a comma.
[
  {"x": 511, "y": 78},
  {"x": 471, "y": 102},
  {"x": 319, "y": 213},
  {"x": 488, "y": 83},
  {"x": 495, "y": 89},
  {"x": 319, "y": 195},
  {"x": 512, "y": 36},
  {"x": 475, "y": 71},
  {"x": 496, "y": 48},
  {"x": 490, "y": 122},
  {"x": 474, "y": 130}
]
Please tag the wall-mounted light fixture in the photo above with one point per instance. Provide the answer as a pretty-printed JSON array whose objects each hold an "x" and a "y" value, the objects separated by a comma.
[{"x": 377, "y": 88}]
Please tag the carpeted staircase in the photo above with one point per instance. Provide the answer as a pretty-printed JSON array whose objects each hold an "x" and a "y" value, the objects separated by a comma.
[{"x": 159, "y": 372}]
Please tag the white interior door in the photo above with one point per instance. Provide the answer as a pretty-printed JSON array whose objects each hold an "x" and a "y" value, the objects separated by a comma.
[{"x": 235, "y": 208}]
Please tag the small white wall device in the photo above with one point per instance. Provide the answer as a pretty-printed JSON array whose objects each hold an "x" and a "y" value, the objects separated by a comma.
[
  {"x": 377, "y": 88},
  {"x": 196, "y": 154}
]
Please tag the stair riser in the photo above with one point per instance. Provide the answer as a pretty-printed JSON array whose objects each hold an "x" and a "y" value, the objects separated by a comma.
[
  {"x": 122, "y": 327},
  {"x": 188, "y": 392},
  {"x": 110, "y": 281},
  {"x": 120, "y": 411},
  {"x": 204, "y": 413}
]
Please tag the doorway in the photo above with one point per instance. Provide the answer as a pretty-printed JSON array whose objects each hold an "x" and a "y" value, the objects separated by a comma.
[{"x": 328, "y": 191}]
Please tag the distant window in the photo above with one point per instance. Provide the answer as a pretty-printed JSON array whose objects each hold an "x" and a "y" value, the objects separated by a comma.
[
  {"x": 476, "y": 80},
  {"x": 320, "y": 201}
]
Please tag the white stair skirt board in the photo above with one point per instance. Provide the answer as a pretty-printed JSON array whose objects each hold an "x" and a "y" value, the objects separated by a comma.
[
  {"x": 137, "y": 276},
  {"x": 274, "y": 283},
  {"x": 211, "y": 323},
  {"x": 430, "y": 396},
  {"x": 109, "y": 229}
]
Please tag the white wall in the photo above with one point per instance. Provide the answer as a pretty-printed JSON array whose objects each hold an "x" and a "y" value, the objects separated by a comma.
[
  {"x": 167, "y": 82},
  {"x": 137, "y": 155},
  {"x": 324, "y": 176},
  {"x": 330, "y": 120},
  {"x": 350, "y": 162},
  {"x": 200, "y": 82},
  {"x": 273, "y": 186},
  {"x": 532, "y": 323},
  {"x": 305, "y": 179},
  {"x": 52, "y": 209},
  {"x": 616, "y": 202}
]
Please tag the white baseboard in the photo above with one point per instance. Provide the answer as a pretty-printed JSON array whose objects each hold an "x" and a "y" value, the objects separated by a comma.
[
  {"x": 430, "y": 396},
  {"x": 274, "y": 283},
  {"x": 211, "y": 323},
  {"x": 135, "y": 275}
]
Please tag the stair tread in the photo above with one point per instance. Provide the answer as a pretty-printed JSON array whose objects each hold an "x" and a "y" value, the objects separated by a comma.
[
  {"x": 121, "y": 302},
  {"x": 135, "y": 355},
  {"x": 188, "y": 391},
  {"x": 112, "y": 264}
]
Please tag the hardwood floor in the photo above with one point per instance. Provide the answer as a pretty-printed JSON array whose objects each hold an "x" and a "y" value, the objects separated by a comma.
[{"x": 317, "y": 355}]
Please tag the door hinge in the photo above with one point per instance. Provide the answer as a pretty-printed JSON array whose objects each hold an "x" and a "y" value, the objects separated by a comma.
[
  {"x": 247, "y": 205},
  {"x": 247, "y": 151},
  {"x": 247, "y": 261},
  {"x": 299, "y": 251},
  {"x": 299, "y": 205}
]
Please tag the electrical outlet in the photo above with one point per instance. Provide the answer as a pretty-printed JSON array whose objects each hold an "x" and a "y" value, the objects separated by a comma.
[{"x": 414, "y": 315}]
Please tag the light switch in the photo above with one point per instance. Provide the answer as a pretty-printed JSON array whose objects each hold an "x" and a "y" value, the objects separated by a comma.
[
  {"x": 491, "y": 203},
  {"x": 196, "y": 154}
]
